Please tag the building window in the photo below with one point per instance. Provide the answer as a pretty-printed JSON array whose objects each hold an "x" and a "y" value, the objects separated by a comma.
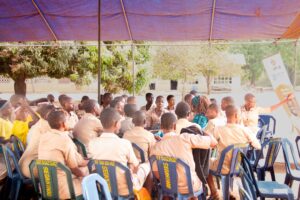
[
  {"x": 173, "y": 85},
  {"x": 223, "y": 80},
  {"x": 4, "y": 79},
  {"x": 152, "y": 86}
]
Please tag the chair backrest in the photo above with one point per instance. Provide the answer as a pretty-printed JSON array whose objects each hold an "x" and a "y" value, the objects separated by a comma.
[
  {"x": 108, "y": 170},
  {"x": 247, "y": 191},
  {"x": 270, "y": 121},
  {"x": 140, "y": 151},
  {"x": 81, "y": 147},
  {"x": 261, "y": 134},
  {"x": 95, "y": 187},
  {"x": 18, "y": 146},
  {"x": 235, "y": 151},
  {"x": 298, "y": 144},
  {"x": 272, "y": 146},
  {"x": 48, "y": 180},
  {"x": 288, "y": 153},
  {"x": 11, "y": 167},
  {"x": 247, "y": 176},
  {"x": 168, "y": 176}
]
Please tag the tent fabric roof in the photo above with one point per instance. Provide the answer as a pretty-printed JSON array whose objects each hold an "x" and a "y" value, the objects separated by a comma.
[{"x": 149, "y": 20}]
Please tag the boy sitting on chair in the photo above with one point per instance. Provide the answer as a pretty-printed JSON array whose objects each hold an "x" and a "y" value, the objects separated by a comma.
[
  {"x": 180, "y": 146},
  {"x": 56, "y": 145},
  {"x": 110, "y": 147},
  {"x": 231, "y": 133}
]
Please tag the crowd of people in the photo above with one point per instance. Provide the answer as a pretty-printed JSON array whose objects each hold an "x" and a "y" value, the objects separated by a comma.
[{"x": 46, "y": 128}]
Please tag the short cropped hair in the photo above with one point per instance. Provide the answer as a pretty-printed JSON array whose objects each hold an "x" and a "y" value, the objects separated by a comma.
[
  {"x": 158, "y": 97},
  {"x": 115, "y": 102},
  {"x": 61, "y": 97},
  {"x": 43, "y": 110},
  {"x": 109, "y": 117},
  {"x": 56, "y": 118},
  {"x": 229, "y": 100},
  {"x": 148, "y": 95},
  {"x": 167, "y": 121},
  {"x": 89, "y": 105},
  {"x": 187, "y": 96},
  {"x": 131, "y": 99},
  {"x": 139, "y": 118},
  {"x": 170, "y": 97},
  {"x": 182, "y": 110},
  {"x": 130, "y": 109},
  {"x": 249, "y": 96},
  {"x": 214, "y": 107},
  {"x": 231, "y": 111}
]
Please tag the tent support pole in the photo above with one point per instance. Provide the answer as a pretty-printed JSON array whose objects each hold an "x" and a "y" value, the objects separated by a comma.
[
  {"x": 99, "y": 53},
  {"x": 295, "y": 64},
  {"x": 44, "y": 19},
  {"x": 212, "y": 20},
  {"x": 132, "y": 45}
]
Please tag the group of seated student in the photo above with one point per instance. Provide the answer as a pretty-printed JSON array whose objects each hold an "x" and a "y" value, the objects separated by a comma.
[{"x": 107, "y": 131}]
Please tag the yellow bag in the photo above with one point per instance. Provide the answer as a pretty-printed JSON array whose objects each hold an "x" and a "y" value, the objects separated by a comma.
[{"x": 142, "y": 194}]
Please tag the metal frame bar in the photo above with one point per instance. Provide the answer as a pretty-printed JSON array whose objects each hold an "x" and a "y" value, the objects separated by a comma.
[
  {"x": 44, "y": 19},
  {"x": 99, "y": 52},
  {"x": 212, "y": 20},
  {"x": 132, "y": 45}
]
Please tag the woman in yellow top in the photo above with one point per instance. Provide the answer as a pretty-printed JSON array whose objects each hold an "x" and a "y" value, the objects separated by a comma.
[
  {"x": 5, "y": 119},
  {"x": 25, "y": 117}
]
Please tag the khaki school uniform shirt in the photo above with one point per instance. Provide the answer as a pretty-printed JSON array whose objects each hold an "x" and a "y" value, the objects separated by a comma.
[
  {"x": 152, "y": 118},
  {"x": 143, "y": 108},
  {"x": 110, "y": 147},
  {"x": 72, "y": 120},
  {"x": 184, "y": 123},
  {"x": 141, "y": 137},
  {"x": 180, "y": 146},
  {"x": 88, "y": 128},
  {"x": 126, "y": 125},
  {"x": 213, "y": 123},
  {"x": 31, "y": 151},
  {"x": 250, "y": 118},
  {"x": 57, "y": 146},
  {"x": 228, "y": 135}
]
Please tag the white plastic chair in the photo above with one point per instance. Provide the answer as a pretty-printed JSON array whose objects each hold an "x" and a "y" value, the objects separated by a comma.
[{"x": 90, "y": 190}]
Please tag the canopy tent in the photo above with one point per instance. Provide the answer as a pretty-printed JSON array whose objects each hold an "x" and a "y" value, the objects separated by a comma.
[{"x": 151, "y": 20}]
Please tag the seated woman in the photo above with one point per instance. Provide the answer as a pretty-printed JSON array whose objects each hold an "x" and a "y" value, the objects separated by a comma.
[
  {"x": 200, "y": 105},
  {"x": 31, "y": 152}
]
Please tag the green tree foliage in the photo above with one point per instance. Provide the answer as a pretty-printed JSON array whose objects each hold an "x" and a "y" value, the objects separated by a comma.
[
  {"x": 187, "y": 62},
  {"x": 76, "y": 62},
  {"x": 256, "y": 52}
]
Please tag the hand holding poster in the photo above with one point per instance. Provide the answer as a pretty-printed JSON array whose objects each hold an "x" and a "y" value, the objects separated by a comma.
[{"x": 282, "y": 85}]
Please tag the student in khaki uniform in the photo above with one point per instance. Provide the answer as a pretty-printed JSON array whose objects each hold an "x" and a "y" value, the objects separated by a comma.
[
  {"x": 214, "y": 120},
  {"x": 180, "y": 146},
  {"x": 89, "y": 126},
  {"x": 118, "y": 104},
  {"x": 56, "y": 145},
  {"x": 153, "y": 116},
  {"x": 110, "y": 147},
  {"x": 138, "y": 135},
  {"x": 68, "y": 106},
  {"x": 31, "y": 151},
  {"x": 127, "y": 124},
  {"x": 231, "y": 133},
  {"x": 149, "y": 105},
  {"x": 183, "y": 112},
  {"x": 171, "y": 103},
  {"x": 250, "y": 112}
]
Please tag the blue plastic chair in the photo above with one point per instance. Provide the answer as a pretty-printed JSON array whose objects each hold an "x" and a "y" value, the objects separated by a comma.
[
  {"x": 262, "y": 189},
  {"x": 246, "y": 190},
  {"x": 48, "y": 181},
  {"x": 291, "y": 174},
  {"x": 168, "y": 177},
  {"x": 270, "y": 121},
  {"x": 227, "y": 179},
  {"x": 298, "y": 144},
  {"x": 18, "y": 147},
  {"x": 95, "y": 187},
  {"x": 272, "y": 146},
  {"x": 14, "y": 172},
  {"x": 140, "y": 151},
  {"x": 107, "y": 169}
]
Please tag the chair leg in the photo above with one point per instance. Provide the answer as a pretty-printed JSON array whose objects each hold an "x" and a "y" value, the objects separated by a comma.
[
  {"x": 298, "y": 192},
  {"x": 225, "y": 187},
  {"x": 272, "y": 174},
  {"x": 287, "y": 180},
  {"x": 260, "y": 174}
]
